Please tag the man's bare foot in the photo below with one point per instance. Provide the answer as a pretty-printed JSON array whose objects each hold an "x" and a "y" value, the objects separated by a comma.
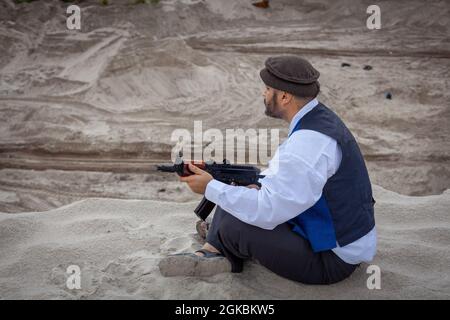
[
  {"x": 194, "y": 264},
  {"x": 202, "y": 228},
  {"x": 207, "y": 261}
]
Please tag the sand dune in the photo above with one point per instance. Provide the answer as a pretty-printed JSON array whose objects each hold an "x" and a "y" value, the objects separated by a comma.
[
  {"x": 117, "y": 245},
  {"x": 108, "y": 97}
]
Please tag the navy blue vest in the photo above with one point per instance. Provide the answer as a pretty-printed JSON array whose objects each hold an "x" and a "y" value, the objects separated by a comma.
[{"x": 344, "y": 213}]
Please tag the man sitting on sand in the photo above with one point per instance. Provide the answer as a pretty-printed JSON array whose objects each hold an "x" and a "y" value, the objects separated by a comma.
[{"x": 312, "y": 219}]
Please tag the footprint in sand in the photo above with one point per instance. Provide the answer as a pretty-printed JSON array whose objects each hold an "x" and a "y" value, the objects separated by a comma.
[{"x": 178, "y": 244}]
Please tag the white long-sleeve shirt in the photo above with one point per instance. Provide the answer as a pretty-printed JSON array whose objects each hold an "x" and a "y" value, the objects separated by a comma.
[{"x": 292, "y": 184}]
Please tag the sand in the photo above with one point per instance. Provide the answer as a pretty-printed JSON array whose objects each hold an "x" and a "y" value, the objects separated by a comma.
[
  {"x": 85, "y": 116},
  {"x": 118, "y": 243},
  {"x": 98, "y": 106}
]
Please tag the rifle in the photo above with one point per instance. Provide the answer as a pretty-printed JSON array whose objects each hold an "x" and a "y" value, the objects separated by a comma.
[{"x": 241, "y": 175}]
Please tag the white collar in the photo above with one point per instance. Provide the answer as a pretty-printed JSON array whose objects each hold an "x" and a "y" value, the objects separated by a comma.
[{"x": 306, "y": 108}]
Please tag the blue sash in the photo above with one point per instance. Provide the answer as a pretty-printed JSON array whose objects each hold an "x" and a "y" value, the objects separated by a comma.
[{"x": 315, "y": 224}]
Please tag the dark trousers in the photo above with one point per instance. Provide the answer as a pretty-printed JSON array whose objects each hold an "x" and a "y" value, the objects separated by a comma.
[{"x": 280, "y": 250}]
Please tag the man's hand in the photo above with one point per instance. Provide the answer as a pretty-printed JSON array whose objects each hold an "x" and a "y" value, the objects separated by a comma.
[
  {"x": 198, "y": 181},
  {"x": 253, "y": 186}
]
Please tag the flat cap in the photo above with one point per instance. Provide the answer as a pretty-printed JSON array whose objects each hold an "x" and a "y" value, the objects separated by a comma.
[{"x": 291, "y": 74}]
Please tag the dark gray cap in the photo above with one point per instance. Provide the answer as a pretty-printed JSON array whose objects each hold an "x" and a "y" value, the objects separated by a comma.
[{"x": 291, "y": 74}]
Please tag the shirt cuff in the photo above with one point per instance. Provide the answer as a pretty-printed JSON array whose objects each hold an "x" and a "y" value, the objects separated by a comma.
[{"x": 213, "y": 190}]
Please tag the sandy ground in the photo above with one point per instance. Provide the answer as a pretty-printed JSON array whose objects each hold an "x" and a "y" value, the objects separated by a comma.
[
  {"x": 118, "y": 243},
  {"x": 87, "y": 114}
]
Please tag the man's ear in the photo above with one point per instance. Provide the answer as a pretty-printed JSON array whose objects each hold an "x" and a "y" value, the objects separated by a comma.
[{"x": 286, "y": 97}]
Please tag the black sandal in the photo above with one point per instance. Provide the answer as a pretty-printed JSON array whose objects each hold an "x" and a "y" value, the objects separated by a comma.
[{"x": 209, "y": 254}]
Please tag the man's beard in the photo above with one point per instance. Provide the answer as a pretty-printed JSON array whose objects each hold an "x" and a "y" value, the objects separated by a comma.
[{"x": 272, "y": 109}]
